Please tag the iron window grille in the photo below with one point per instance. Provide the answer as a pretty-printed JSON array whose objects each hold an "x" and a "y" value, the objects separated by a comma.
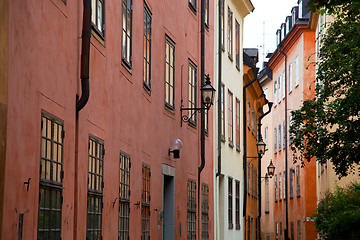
[
  {"x": 191, "y": 210},
  {"x": 230, "y": 121},
  {"x": 145, "y": 203},
  {"x": 205, "y": 212},
  {"x": 51, "y": 177},
  {"x": 230, "y": 203},
  {"x": 192, "y": 5},
  {"x": 124, "y": 196},
  {"x": 169, "y": 73},
  {"x": 237, "y": 124},
  {"x": 147, "y": 47},
  {"x": 126, "y": 54},
  {"x": 237, "y": 44},
  {"x": 237, "y": 205},
  {"x": 98, "y": 17},
  {"x": 95, "y": 188},
  {"x": 192, "y": 92},
  {"x": 230, "y": 33},
  {"x": 223, "y": 111}
]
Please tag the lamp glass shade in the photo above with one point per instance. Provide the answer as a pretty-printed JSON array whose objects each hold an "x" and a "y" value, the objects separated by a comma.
[
  {"x": 207, "y": 93},
  {"x": 175, "y": 144},
  {"x": 261, "y": 147},
  {"x": 271, "y": 169}
]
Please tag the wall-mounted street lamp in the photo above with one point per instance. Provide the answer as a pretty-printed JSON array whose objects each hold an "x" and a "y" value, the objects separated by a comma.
[
  {"x": 175, "y": 146},
  {"x": 270, "y": 170},
  {"x": 261, "y": 147},
  {"x": 207, "y": 97}
]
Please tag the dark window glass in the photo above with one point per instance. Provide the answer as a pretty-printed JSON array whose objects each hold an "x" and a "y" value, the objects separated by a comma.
[
  {"x": 237, "y": 205},
  {"x": 192, "y": 93},
  {"x": 145, "y": 203},
  {"x": 98, "y": 16},
  {"x": 222, "y": 5},
  {"x": 51, "y": 177},
  {"x": 169, "y": 73},
  {"x": 192, "y": 5},
  {"x": 230, "y": 203},
  {"x": 127, "y": 32},
  {"x": 147, "y": 47},
  {"x": 191, "y": 210},
  {"x": 124, "y": 196},
  {"x": 291, "y": 183},
  {"x": 276, "y": 192},
  {"x": 205, "y": 212},
  {"x": 95, "y": 188}
]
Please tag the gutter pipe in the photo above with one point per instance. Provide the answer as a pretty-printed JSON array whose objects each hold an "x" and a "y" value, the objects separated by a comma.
[{"x": 219, "y": 93}]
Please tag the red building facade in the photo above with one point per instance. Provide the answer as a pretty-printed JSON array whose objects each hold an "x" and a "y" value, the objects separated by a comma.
[{"x": 104, "y": 171}]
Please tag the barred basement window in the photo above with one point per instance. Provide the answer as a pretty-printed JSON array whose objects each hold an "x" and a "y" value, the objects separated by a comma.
[
  {"x": 127, "y": 32},
  {"x": 237, "y": 205},
  {"x": 147, "y": 47},
  {"x": 95, "y": 188},
  {"x": 124, "y": 196},
  {"x": 191, "y": 210},
  {"x": 205, "y": 212},
  {"x": 230, "y": 203},
  {"x": 51, "y": 177},
  {"x": 145, "y": 203}
]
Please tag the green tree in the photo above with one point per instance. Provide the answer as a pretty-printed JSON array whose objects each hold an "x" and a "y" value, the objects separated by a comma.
[{"x": 328, "y": 126}]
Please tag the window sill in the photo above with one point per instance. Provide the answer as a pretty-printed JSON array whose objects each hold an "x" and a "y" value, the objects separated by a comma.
[
  {"x": 230, "y": 57},
  {"x": 238, "y": 148},
  {"x": 169, "y": 108},
  {"x": 238, "y": 67},
  {"x": 193, "y": 8},
  {"x": 223, "y": 138},
  {"x": 192, "y": 123},
  {"x": 231, "y": 226},
  {"x": 237, "y": 226},
  {"x": 126, "y": 65},
  {"x": 231, "y": 144},
  {"x": 147, "y": 89}
]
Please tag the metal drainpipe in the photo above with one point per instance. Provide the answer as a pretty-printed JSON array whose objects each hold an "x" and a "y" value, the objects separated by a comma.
[
  {"x": 219, "y": 93},
  {"x": 286, "y": 230},
  {"x": 255, "y": 70},
  {"x": 202, "y": 117},
  {"x": 85, "y": 56},
  {"x": 259, "y": 164}
]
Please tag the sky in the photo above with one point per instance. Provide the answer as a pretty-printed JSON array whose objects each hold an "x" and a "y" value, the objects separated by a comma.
[{"x": 260, "y": 26}]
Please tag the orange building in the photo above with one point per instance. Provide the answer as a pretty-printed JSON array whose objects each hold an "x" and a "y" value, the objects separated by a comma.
[
  {"x": 293, "y": 76},
  {"x": 253, "y": 101}
]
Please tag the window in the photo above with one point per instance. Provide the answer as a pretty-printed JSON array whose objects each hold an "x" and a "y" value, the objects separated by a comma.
[
  {"x": 51, "y": 177},
  {"x": 207, "y": 14},
  {"x": 284, "y": 133},
  {"x": 169, "y": 72},
  {"x": 248, "y": 114},
  {"x": 279, "y": 89},
  {"x": 267, "y": 236},
  {"x": 222, "y": 5},
  {"x": 279, "y": 137},
  {"x": 147, "y": 47},
  {"x": 230, "y": 203},
  {"x": 237, "y": 44},
  {"x": 124, "y": 196},
  {"x": 98, "y": 16},
  {"x": 276, "y": 230},
  {"x": 299, "y": 229},
  {"x": 191, "y": 210},
  {"x": 290, "y": 77},
  {"x": 237, "y": 205},
  {"x": 283, "y": 87},
  {"x": 127, "y": 32},
  {"x": 285, "y": 183},
  {"x": 267, "y": 203},
  {"x": 292, "y": 230},
  {"x": 95, "y": 188},
  {"x": 280, "y": 230},
  {"x": 145, "y": 203},
  {"x": 206, "y": 121},
  {"x": 192, "y": 5},
  {"x": 297, "y": 71},
  {"x": 297, "y": 181},
  {"x": 205, "y": 212},
  {"x": 229, "y": 33},
  {"x": 280, "y": 186},
  {"x": 275, "y": 142},
  {"x": 237, "y": 124},
  {"x": 223, "y": 111},
  {"x": 230, "y": 121},
  {"x": 192, "y": 93},
  {"x": 290, "y": 135},
  {"x": 291, "y": 183},
  {"x": 266, "y": 136},
  {"x": 275, "y": 92}
]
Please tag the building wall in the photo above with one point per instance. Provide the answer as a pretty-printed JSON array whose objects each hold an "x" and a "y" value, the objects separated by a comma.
[
  {"x": 231, "y": 157},
  {"x": 44, "y": 69},
  {"x": 301, "y": 207}
]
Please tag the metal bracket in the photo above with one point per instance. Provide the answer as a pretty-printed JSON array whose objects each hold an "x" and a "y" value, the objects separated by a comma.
[{"x": 186, "y": 118}]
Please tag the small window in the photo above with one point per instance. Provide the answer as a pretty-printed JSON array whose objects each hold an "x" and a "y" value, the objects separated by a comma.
[
  {"x": 222, "y": 30},
  {"x": 279, "y": 89},
  {"x": 191, "y": 210},
  {"x": 145, "y": 202},
  {"x": 205, "y": 212},
  {"x": 192, "y": 5},
  {"x": 230, "y": 203},
  {"x": 95, "y": 188},
  {"x": 223, "y": 111},
  {"x": 279, "y": 137},
  {"x": 229, "y": 33},
  {"x": 276, "y": 193},
  {"x": 237, "y": 44},
  {"x": 169, "y": 73},
  {"x": 98, "y": 16},
  {"x": 51, "y": 177},
  {"x": 280, "y": 186},
  {"x": 267, "y": 196},
  {"x": 284, "y": 133},
  {"x": 127, "y": 32},
  {"x": 230, "y": 120},
  {"x": 192, "y": 93},
  {"x": 266, "y": 137},
  {"x": 207, "y": 14},
  {"x": 147, "y": 47},
  {"x": 124, "y": 196},
  {"x": 299, "y": 229},
  {"x": 290, "y": 77},
  {"x": 237, "y": 124},
  {"x": 237, "y": 205},
  {"x": 297, "y": 71},
  {"x": 248, "y": 114}
]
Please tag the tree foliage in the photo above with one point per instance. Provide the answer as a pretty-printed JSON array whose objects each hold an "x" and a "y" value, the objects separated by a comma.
[
  {"x": 328, "y": 126},
  {"x": 338, "y": 213}
]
